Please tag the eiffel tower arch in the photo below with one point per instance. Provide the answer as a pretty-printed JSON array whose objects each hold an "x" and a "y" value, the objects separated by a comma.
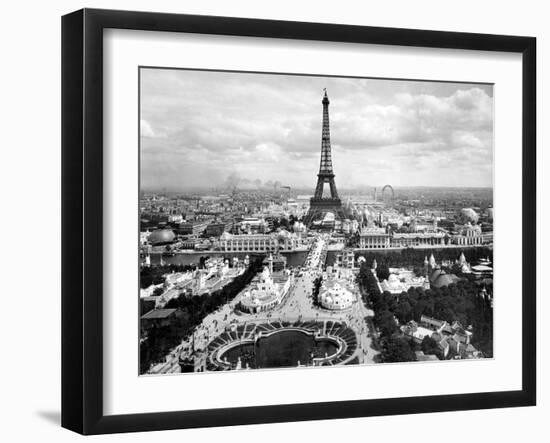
[{"x": 318, "y": 204}]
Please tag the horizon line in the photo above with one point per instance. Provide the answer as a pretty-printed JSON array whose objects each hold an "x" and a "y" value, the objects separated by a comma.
[{"x": 166, "y": 189}]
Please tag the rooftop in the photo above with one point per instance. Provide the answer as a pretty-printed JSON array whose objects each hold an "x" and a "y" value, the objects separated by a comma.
[{"x": 158, "y": 313}]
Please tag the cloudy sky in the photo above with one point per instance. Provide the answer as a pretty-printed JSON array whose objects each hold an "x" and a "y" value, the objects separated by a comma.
[{"x": 208, "y": 129}]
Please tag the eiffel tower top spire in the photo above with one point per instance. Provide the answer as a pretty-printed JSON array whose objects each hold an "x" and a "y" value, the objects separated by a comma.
[{"x": 325, "y": 168}]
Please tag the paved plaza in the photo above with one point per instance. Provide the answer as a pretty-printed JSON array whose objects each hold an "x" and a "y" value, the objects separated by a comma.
[{"x": 297, "y": 306}]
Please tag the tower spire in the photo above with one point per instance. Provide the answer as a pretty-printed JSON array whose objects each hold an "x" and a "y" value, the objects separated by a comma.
[
  {"x": 325, "y": 166},
  {"x": 320, "y": 205}
]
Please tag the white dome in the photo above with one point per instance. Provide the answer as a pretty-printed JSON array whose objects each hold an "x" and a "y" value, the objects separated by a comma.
[
  {"x": 226, "y": 236},
  {"x": 468, "y": 215},
  {"x": 161, "y": 236}
]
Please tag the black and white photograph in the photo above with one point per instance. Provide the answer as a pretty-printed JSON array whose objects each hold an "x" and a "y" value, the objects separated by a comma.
[
  {"x": 302, "y": 221},
  {"x": 274, "y": 222}
]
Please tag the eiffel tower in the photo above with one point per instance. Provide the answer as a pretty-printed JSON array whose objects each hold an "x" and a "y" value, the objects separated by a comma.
[{"x": 319, "y": 205}]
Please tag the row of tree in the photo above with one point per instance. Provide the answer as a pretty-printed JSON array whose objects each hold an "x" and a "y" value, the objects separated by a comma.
[
  {"x": 393, "y": 348},
  {"x": 316, "y": 289}
]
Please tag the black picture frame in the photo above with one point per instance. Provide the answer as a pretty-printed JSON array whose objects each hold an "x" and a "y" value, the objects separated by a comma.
[{"x": 82, "y": 220}]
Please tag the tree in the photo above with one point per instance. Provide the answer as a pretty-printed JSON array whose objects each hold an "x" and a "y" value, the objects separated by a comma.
[
  {"x": 158, "y": 291},
  {"x": 316, "y": 288},
  {"x": 282, "y": 222},
  {"x": 397, "y": 349},
  {"x": 404, "y": 311},
  {"x": 369, "y": 287},
  {"x": 383, "y": 272},
  {"x": 385, "y": 322},
  {"x": 430, "y": 346}
]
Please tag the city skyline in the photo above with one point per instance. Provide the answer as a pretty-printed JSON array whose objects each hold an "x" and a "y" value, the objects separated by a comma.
[{"x": 210, "y": 129}]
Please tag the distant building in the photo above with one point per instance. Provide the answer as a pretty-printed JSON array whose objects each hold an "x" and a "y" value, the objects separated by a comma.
[
  {"x": 338, "y": 290},
  {"x": 144, "y": 238},
  {"x": 275, "y": 263},
  {"x": 418, "y": 239},
  {"x": 190, "y": 243},
  {"x": 266, "y": 291},
  {"x": 350, "y": 226},
  {"x": 483, "y": 269},
  {"x": 147, "y": 304},
  {"x": 215, "y": 229},
  {"x": 281, "y": 241},
  {"x": 400, "y": 280},
  {"x": 299, "y": 228},
  {"x": 453, "y": 340},
  {"x": 416, "y": 331},
  {"x": 175, "y": 278},
  {"x": 424, "y": 235},
  {"x": 374, "y": 238},
  {"x": 175, "y": 218},
  {"x": 469, "y": 234},
  {"x": 335, "y": 295},
  {"x": 252, "y": 225},
  {"x": 160, "y": 318},
  {"x": 192, "y": 227},
  {"x": 345, "y": 258},
  {"x": 441, "y": 278},
  {"x": 437, "y": 276},
  {"x": 423, "y": 225},
  {"x": 216, "y": 274}
]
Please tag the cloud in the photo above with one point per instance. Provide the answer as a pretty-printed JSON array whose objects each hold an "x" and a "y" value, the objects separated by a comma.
[
  {"x": 145, "y": 129},
  {"x": 269, "y": 127},
  {"x": 417, "y": 119}
]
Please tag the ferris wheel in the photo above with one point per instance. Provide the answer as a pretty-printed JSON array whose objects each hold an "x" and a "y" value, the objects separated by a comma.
[{"x": 388, "y": 196}]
